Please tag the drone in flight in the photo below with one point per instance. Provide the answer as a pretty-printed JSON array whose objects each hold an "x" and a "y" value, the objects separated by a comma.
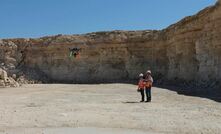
[{"x": 74, "y": 52}]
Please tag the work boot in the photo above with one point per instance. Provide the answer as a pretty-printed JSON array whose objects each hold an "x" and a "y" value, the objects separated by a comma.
[{"x": 148, "y": 100}]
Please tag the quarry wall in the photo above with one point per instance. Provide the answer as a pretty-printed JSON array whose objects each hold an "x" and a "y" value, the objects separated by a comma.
[{"x": 186, "y": 52}]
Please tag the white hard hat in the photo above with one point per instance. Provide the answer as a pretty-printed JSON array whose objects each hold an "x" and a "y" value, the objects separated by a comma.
[
  {"x": 141, "y": 75},
  {"x": 149, "y": 72}
]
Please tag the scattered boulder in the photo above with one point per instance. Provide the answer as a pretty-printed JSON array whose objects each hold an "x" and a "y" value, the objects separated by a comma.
[
  {"x": 22, "y": 80},
  {"x": 6, "y": 81},
  {"x": 2, "y": 83},
  {"x": 12, "y": 83},
  {"x": 3, "y": 74}
]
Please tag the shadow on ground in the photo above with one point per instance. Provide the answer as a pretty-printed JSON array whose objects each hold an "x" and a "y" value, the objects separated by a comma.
[
  {"x": 130, "y": 102},
  {"x": 212, "y": 94},
  {"x": 209, "y": 93}
]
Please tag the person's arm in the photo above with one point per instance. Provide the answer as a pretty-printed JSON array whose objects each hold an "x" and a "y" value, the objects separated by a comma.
[
  {"x": 138, "y": 85},
  {"x": 151, "y": 78}
]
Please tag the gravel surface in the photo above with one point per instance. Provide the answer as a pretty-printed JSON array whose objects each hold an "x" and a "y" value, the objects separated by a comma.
[{"x": 104, "y": 108}]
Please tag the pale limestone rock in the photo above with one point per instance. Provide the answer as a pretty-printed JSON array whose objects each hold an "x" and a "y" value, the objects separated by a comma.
[
  {"x": 3, "y": 75},
  {"x": 2, "y": 83},
  {"x": 186, "y": 52},
  {"x": 6, "y": 81},
  {"x": 11, "y": 82}
]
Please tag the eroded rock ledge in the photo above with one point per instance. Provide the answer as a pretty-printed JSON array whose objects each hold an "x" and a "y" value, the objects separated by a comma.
[{"x": 188, "y": 52}]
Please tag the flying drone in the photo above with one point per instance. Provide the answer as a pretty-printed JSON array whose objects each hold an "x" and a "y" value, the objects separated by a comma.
[{"x": 74, "y": 52}]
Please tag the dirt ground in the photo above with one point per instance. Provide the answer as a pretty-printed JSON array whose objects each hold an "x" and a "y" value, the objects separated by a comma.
[{"x": 104, "y": 108}]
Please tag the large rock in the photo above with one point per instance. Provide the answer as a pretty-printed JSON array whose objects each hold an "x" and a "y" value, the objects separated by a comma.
[
  {"x": 3, "y": 75},
  {"x": 11, "y": 82},
  {"x": 2, "y": 83},
  {"x": 6, "y": 81}
]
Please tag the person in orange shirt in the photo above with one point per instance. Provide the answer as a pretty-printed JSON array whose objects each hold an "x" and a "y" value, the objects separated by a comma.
[{"x": 141, "y": 86}]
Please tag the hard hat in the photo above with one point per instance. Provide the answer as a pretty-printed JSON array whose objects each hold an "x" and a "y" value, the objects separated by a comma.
[
  {"x": 149, "y": 72},
  {"x": 141, "y": 75}
]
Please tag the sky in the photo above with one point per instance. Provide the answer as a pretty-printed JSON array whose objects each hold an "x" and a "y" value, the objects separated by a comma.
[{"x": 37, "y": 18}]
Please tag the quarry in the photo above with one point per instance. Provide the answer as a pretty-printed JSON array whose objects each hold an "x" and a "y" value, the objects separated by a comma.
[
  {"x": 89, "y": 80},
  {"x": 185, "y": 52}
]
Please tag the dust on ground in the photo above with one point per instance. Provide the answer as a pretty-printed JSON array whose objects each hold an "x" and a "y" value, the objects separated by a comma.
[{"x": 104, "y": 108}]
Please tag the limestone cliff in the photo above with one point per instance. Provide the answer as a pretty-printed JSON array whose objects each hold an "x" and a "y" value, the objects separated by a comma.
[{"x": 188, "y": 51}]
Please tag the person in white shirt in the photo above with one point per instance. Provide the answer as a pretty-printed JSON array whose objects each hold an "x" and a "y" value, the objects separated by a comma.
[{"x": 148, "y": 85}]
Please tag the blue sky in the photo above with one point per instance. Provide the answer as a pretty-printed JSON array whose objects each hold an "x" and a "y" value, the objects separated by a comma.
[{"x": 36, "y": 18}]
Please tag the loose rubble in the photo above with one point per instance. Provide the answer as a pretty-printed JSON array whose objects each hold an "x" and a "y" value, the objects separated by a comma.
[{"x": 6, "y": 81}]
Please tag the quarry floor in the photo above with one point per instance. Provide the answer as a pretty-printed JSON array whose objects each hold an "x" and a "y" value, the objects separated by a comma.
[{"x": 104, "y": 109}]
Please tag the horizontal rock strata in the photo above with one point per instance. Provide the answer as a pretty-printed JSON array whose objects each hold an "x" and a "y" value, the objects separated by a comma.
[{"x": 187, "y": 52}]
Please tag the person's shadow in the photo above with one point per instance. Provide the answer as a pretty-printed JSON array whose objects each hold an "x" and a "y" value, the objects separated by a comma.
[{"x": 130, "y": 102}]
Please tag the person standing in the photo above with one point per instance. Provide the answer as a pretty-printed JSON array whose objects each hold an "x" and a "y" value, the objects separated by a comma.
[
  {"x": 141, "y": 86},
  {"x": 148, "y": 85}
]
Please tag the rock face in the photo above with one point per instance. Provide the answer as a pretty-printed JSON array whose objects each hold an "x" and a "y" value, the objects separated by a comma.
[{"x": 186, "y": 52}]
